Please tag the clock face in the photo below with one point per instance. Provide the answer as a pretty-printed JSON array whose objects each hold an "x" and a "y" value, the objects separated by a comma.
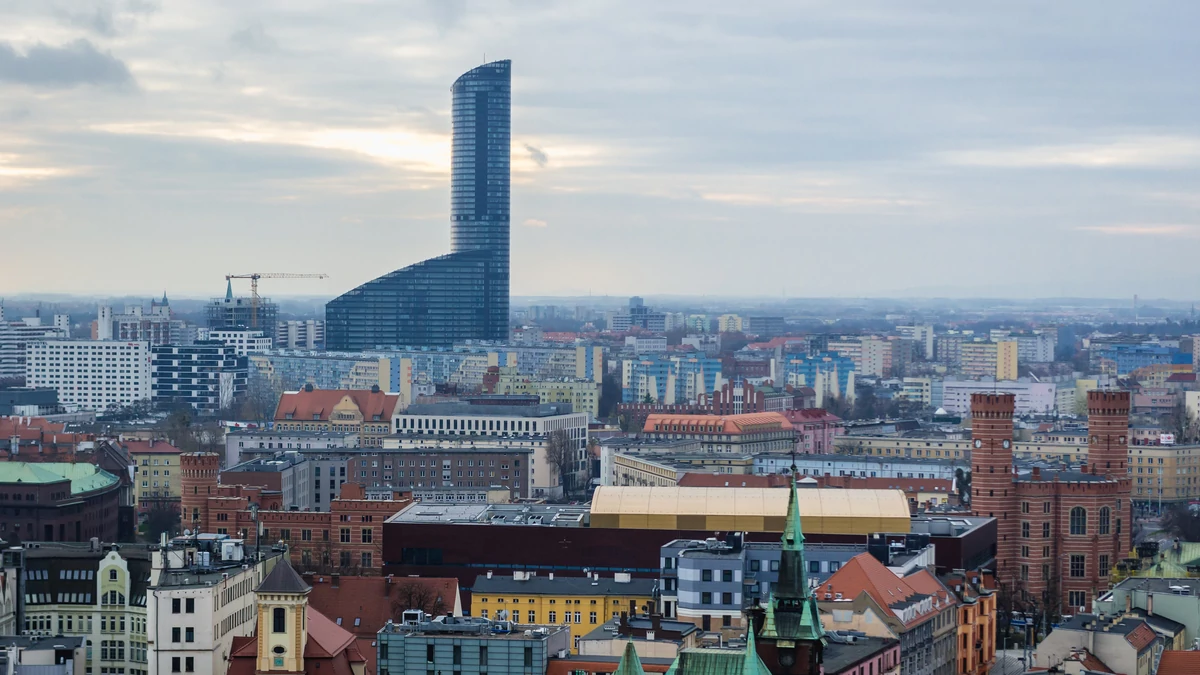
[
  {"x": 1006, "y": 444},
  {"x": 978, "y": 443}
]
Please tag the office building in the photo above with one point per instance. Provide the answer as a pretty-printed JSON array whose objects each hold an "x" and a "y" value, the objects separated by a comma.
[
  {"x": 469, "y": 646},
  {"x": 489, "y": 421},
  {"x": 93, "y": 590},
  {"x": 765, "y": 326},
  {"x": 292, "y": 334},
  {"x": 636, "y": 316},
  {"x": 201, "y": 598},
  {"x": 91, "y": 374},
  {"x": 462, "y": 295},
  {"x": 580, "y": 603},
  {"x": 207, "y": 376}
]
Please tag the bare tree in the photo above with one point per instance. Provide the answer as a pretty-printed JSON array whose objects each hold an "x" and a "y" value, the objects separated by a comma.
[
  {"x": 560, "y": 455},
  {"x": 412, "y": 594},
  {"x": 260, "y": 400}
]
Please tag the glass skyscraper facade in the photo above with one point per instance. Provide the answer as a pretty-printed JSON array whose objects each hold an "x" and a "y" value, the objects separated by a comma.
[{"x": 462, "y": 295}]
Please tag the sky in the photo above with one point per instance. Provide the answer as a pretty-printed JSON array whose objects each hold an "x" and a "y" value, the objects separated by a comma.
[{"x": 785, "y": 149}]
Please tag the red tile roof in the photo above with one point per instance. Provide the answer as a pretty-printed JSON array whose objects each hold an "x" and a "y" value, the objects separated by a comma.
[
  {"x": 371, "y": 601},
  {"x": 718, "y": 424},
  {"x": 150, "y": 447},
  {"x": 1090, "y": 662},
  {"x": 302, "y": 405},
  {"x": 864, "y": 574},
  {"x": 1182, "y": 377},
  {"x": 8, "y": 424},
  {"x": 807, "y": 415},
  {"x": 1179, "y": 663},
  {"x": 328, "y": 644},
  {"x": 716, "y": 480},
  {"x": 1141, "y": 637}
]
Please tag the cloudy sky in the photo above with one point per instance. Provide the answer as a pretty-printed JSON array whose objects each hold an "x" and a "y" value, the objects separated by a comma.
[{"x": 800, "y": 148}]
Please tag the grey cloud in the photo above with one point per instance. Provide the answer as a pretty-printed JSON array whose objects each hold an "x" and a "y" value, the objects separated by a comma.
[
  {"x": 62, "y": 67},
  {"x": 100, "y": 21},
  {"x": 142, "y": 6},
  {"x": 254, "y": 38},
  {"x": 446, "y": 13},
  {"x": 537, "y": 155}
]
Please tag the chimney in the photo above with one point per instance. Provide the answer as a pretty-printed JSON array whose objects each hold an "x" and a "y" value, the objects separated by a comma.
[
  {"x": 14, "y": 447},
  {"x": 152, "y": 441},
  {"x": 1149, "y": 604},
  {"x": 1037, "y": 473},
  {"x": 1128, "y": 602}
]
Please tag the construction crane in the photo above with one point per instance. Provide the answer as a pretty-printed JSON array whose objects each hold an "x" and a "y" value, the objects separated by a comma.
[{"x": 255, "y": 276}]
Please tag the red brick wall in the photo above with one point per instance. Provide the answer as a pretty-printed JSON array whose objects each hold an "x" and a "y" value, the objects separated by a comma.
[{"x": 992, "y": 491}]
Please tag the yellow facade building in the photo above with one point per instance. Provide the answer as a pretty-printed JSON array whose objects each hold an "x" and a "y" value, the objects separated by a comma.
[
  {"x": 579, "y": 603},
  {"x": 582, "y": 394},
  {"x": 157, "y": 482}
]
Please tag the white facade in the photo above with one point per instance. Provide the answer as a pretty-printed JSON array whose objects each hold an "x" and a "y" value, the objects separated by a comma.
[
  {"x": 1036, "y": 348},
  {"x": 646, "y": 345},
  {"x": 300, "y": 334},
  {"x": 922, "y": 335},
  {"x": 1031, "y": 397},
  {"x": 192, "y": 616},
  {"x": 91, "y": 374},
  {"x": 16, "y": 336},
  {"x": 243, "y": 341},
  {"x": 862, "y": 466}
]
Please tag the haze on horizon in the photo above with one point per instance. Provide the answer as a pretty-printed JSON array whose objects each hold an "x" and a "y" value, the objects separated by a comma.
[{"x": 814, "y": 149}]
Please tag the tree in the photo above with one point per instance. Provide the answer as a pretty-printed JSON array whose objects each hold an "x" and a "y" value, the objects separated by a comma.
[
  {"x": 648, "y": 399},
  {"x": 412, "y": 594},
  {"x": 610, "y": 395},
  {"x": 1182, "y": 522},
  {"x": 560, "y": 455},
  {"x": 260, "y": 400},
  {"x": 1180, "y": 422},
  {"x": 962, "y": 484},
  {"x": 162, "y": 518}
]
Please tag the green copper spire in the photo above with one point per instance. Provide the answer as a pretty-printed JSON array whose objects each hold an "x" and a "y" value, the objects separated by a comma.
[
  {"x": 751, "y": 664},
  {"x": 793, "y": 536},
  {"x": 630, "y": 663},
  {"x": 768, "y": 628}
]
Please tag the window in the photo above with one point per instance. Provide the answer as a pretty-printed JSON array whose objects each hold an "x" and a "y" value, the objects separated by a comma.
[
  {"x": 706, "y": 598},
  {"x": 174, "y": 605},
  {"x": 1076, "y": 598},
  {"x": 552, "y": 617},
  {"x": 1024, "y": 507},
  {"x": 1025, "y": 529},
  {"x": 1104, "y": 568},
  {"x": 456, "y": 655},
  {"x": 1024, "y": 572},
  {"x": 1024, "y": 551},
  {"x": 175, "y": 664},
  {"x": 345, "y": 535},
  {"x": 176, "y": 632},
  {"x": 189, "y": 634},
  {"x": 774, "y": 565},
  {"x": 727, "y": 598},
  {"x": 532, "y": 616},
  {"x": 1078, "y": 567},
  {"x": 189, "y": 605},
  {"x": 189, "y": 664},
  {"x": 1045, "y": 507},
  {"x": 592, "y": 618},
  {"x": 1078, "y": 520},
  {"x": 755, "y": 565},
  {"x": 727, "y": 575},
  {"x": 279, "y": 620},
  {"x": 429, "y": 653},
  {"x": 706, "y": 575},
  {"x": 1045, "y": 530},
  {"x": 1104, "y": 519},
  {"x": 366, "y": 559},
  {"x": 112, "y": 575},
  {"x": 366, "y": 535},
  {"x": 529, "y": 657},
  {"x": 483, "y": 656},
  {"x": 814, "y": 566}
]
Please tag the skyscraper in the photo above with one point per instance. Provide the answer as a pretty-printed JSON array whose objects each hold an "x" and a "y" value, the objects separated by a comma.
[{"x": 462, "y": 295}]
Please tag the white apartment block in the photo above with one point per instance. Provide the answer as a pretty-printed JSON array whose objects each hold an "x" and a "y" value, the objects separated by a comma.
[
  {"x": 300, "y": 334},
  {"x": 202, "y": 596},
  {"x": 16, "y": 336},
  {"x": 244, "y": 342},
  {"x": 90, "y": 374},
  {"x": 1032, "y": 398}
]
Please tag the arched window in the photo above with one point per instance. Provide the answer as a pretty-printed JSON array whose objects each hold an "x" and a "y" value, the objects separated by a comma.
[
  {"x": 1078, "y": 520},
  {"x": 1104, "y": 516},
  {"x": 279, "y": 620}
]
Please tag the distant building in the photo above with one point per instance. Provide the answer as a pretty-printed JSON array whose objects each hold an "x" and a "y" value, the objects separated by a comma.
[
  {"x": 729, "y": 323},
  {"x": 1117, "y": 644},
  {"x": 28, "y": 401},
  {"x": 244, "y": 444},
  {"x": 765, "y": 326},
  {"x": 239, "y": 313},
  {"x": 27, "y": 655},
  {"x": 1032, "y": 398},
  {"x": 749, "y": 434},
  {"x": 582, "y": 394},
  {"x": 243, "y": 341},
  {"x": 996, "y": 360},
  {"x": 208, "y": 376},
  {"x": 157, "y": 326},
  {"x": 367, "y": 413},
  {"x": 91, "y": 374},
  {"x": 16, "y": 336},
  {"x": 641, "y": 344},
  {"x": 309, "y": 334},
  {"x": 829, "y": 374},
  {"x": 638, "y": 315},
  {"x": 670, "y": 379},
  {"x": 157, "y": 474}
]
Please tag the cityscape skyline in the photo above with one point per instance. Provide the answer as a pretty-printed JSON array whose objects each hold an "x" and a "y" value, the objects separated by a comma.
[{"x": 994, "y": 139}]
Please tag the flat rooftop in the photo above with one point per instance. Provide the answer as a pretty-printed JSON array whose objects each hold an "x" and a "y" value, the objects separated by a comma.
[
  {"x": 495, "y": 514},
  {"x": 33, "y": 643},
  {"x": 947, "y": 525},
  {"x": 463, "y": 408}
]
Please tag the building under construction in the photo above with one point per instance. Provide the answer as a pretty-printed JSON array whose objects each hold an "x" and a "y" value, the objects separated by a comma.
[{"x": 232, "y": 313}]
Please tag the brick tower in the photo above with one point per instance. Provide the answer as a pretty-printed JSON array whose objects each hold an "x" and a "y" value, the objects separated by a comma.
[
  {"x": 993, "y": 494},
  {"x": 1108, "y": 455},
  {"x": 197, "y": 479}
]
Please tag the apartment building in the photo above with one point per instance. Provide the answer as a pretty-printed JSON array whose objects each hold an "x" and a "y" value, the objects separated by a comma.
[
  {"x": 243, "y": 341},
  {"x": 996, "y": 360},
  {"x": 15, "y": 337},
  {"x": 583, "y": 395},
  {"x": 91, "y": 374},
  {"x": 156, "y": 484}
]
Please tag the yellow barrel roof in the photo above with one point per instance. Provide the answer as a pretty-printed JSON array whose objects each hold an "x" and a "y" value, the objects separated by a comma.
[{"x": 822, "y": 511}]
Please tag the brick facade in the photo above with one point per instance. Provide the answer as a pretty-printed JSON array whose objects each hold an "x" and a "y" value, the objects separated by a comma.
[
  {"x": 1059, "y": 533},
  {"x": 347, "y": 539}
]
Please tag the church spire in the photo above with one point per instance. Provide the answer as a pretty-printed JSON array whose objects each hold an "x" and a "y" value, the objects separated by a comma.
[
  {"x": 630, "y": 663},
  {"x": 793, "y": 580}
]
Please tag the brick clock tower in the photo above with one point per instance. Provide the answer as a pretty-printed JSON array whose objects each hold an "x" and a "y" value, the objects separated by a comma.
[
  {"x": 1058, "y": 532},
  {"x": 198, "y": 477}
]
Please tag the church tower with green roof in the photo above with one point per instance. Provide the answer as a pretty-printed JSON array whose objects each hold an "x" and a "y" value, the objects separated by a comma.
[{"x": 790, "y": 639}]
